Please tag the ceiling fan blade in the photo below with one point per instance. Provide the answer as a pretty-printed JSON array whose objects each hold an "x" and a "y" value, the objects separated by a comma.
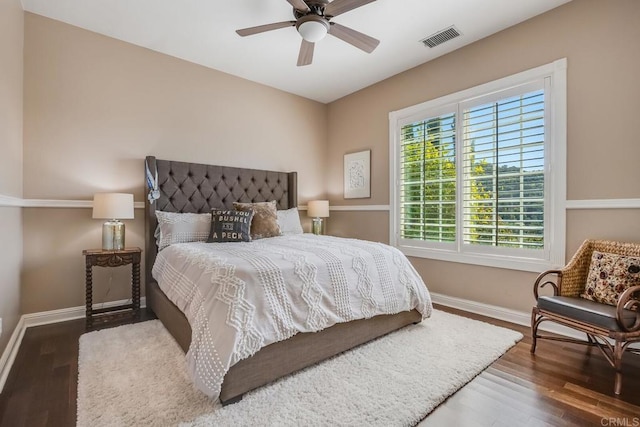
[
  {"x": 262, "y": 28},
  {"x": 299, "y": 5},
  {"x": 353, "y": 37},
  {"x": 338, "y": 7},
  {"x": 306, "y": 53}
]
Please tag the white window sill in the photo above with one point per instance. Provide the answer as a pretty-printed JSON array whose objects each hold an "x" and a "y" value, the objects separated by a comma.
[{"x": 498, "y": 261}]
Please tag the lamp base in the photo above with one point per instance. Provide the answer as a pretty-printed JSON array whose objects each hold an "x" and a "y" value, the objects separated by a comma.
[
  {"x": 317, "y": 226},
  {"x": 113, "y": 235}
]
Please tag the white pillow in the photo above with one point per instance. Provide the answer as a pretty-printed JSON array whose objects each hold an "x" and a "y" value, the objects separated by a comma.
[
  {"x": 289, "y": 222},
  {"x": 181, "y": 228}
]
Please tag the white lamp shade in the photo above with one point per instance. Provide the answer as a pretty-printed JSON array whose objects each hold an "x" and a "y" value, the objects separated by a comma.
[
  {"x": 113, "y": 206},
  {"x": 318, "y": 208},
  {"x": 313, "y": 31}
]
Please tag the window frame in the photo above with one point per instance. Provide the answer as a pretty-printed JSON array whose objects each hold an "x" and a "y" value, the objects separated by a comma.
[{"x": 553, "y": 254}]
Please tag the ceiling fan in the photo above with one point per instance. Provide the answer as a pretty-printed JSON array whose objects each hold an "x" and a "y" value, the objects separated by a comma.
[{"x": 313, "y": 22}]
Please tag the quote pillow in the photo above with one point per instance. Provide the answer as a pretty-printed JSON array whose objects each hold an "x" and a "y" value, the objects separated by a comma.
[
  {"x": 265, "y": 218},
  {"x": 289, "y": 221},
  {"x": 609, "y": 276},
  {"x": 230, "y": 226},
  {"x": 176, "y": 227}
]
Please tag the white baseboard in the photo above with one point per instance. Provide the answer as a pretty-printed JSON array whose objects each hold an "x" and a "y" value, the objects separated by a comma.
[
  {"x": 11, "y": 351},
  {"x": 43, "y": 318},
  {"x": 502, "y": 313},
  {"x": 508, "y": 315},
  {"x": 62, "y": 315}
]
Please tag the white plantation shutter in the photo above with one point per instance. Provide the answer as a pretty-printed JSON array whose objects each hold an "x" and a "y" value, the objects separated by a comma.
[
  {"x": 428, "y": 180},
  {"x": 479, "y": 176},
  {"x": 503, "y": 173}
]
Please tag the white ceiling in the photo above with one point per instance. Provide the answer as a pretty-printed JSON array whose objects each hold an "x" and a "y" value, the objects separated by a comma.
[{"x": 203, "y": 32}]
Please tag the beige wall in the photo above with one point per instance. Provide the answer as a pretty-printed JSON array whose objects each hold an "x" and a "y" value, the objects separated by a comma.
[
  {"x": 94, "y": 107},
  {"x": 600, "y": 41},
  {"x": 11, "y": 42}
]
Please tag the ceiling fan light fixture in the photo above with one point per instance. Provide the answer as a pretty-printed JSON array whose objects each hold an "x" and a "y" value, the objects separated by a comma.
[
  {"x": 313, "y": 30},
  {"x": 312, "y": 22}
]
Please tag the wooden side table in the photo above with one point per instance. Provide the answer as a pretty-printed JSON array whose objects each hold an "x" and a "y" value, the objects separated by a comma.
[{"x": 102, "y": 258}]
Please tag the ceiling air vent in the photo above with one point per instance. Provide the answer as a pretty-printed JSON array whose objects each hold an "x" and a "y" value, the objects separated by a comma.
[{"x": 441, "y": 37}]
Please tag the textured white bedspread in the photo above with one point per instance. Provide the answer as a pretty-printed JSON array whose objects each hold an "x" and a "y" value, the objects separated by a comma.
[{"x": 240, "y": 297}]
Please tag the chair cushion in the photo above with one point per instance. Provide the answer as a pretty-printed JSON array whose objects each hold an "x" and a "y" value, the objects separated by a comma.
[{"x": 586, "y": 311}]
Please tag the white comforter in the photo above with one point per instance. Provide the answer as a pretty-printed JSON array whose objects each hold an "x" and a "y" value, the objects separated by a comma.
[{"x": 240, "y": 297}]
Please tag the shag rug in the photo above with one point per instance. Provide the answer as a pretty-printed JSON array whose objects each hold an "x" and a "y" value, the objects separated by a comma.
[{"x": 135, "y": 375}]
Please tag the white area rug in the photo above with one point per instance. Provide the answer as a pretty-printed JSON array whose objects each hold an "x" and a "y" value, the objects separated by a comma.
[{"x": 136, "y": 375}]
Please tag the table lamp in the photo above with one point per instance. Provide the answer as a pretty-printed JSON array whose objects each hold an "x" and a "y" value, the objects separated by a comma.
[
  {"x": 318, "y": 209},
  {"x": 114, "y": 207}
]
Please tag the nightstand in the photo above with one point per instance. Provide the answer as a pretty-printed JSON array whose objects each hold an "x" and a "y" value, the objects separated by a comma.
[{"x": 115, "y": 258}]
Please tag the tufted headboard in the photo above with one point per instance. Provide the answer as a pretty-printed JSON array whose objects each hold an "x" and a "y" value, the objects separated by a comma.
[{"x": 198, "y": 188}]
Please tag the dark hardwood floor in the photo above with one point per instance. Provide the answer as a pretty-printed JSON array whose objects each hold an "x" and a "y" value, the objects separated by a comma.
[
  {"x": 42, "y": 385},
  {"x": 562, "y": 385}
]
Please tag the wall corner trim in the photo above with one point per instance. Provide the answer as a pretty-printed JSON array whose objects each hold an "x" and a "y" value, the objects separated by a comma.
[
  {"x": 38, "y": 319},
  {"x": 10, "y": 201},
  {"x": 603, "y": 204},
  {"x": 11, "y": 351},
  {"x": 360, "y": 208}
]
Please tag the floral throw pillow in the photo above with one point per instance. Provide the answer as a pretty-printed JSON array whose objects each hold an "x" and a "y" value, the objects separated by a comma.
[
  {"x": 609, "y": 276},
  {"x": 265, "y": 218}
]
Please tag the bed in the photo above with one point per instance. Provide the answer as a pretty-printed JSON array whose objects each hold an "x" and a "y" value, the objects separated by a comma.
[{"x": 197, "y": 188}]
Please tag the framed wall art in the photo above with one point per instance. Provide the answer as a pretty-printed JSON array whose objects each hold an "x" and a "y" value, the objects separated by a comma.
[{"x": 357, "y": 175}]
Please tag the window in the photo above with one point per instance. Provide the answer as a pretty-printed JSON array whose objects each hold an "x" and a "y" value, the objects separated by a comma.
[{"x": 479, "y": 176}]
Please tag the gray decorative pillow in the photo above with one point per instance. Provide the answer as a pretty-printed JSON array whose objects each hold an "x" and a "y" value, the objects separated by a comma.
[
  {"x": 289, "y": 222},
  {"x": 230, "y": 226},
  {"x": 176, "y": 227},
  {"x": 265, "y": 218}
]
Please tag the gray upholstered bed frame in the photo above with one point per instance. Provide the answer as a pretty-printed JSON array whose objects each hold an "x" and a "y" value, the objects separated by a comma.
[{"x": 191, "y": 187}]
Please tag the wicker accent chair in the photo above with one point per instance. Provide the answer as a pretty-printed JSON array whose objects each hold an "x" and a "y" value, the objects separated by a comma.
[{"x": 610, "y": 328}]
